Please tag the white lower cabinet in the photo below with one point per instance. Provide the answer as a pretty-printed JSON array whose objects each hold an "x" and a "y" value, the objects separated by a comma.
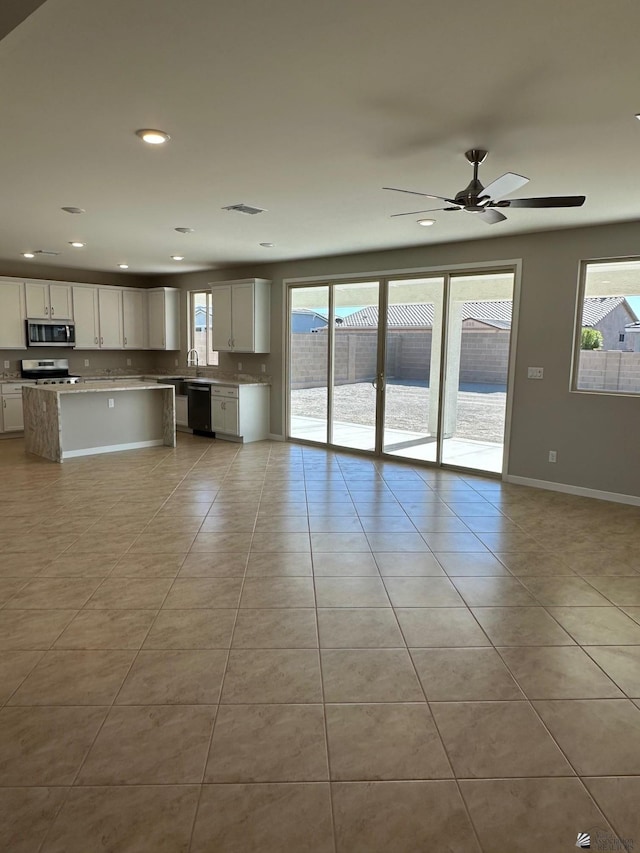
[
  {"x": 224, "y": 416},
  {"x": 240, "y": 412},
  {"x": 11, "y": 417}
]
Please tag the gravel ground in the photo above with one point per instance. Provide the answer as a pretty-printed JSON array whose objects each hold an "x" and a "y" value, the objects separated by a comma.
[{"x": 480, "y": 416}]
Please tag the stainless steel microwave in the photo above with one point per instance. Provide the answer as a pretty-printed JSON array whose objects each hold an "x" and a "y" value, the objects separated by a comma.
[{"x": 50, "y": 333}]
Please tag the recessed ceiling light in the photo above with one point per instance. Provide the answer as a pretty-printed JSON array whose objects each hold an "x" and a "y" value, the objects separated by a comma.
[
  {"x": 638, "y": 116},
  {"x": 153, "y": 137},
  {"x": 184, "y": 230},
  {"x": 76, "y": 210},
  {"x": 177, "y": 257},
  {"x": 77, "y": 244},
  {"x": 268, "y": 245},
  {"x": 124, "y": 266},
  {"x": 426, "y": 222},
  {"x": 28, "y": 255}
]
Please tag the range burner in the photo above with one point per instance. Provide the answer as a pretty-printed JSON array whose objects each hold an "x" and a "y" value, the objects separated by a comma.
[
  {"x": 48, "y": 371},
  {"x": 59, "y": 380}
]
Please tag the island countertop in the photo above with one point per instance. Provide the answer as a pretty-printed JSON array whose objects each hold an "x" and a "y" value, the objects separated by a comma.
[
  {"x": 63, "y": 421},
  {"x": 103, "y": 387}
]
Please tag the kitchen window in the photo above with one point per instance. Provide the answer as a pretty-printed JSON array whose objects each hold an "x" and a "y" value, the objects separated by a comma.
[
  {"x": 607, "y": 346},
  {"x": 200, "y": 327}
]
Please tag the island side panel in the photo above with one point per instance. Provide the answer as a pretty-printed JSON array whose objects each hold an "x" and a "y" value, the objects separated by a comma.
[
  {"x": 42, "y": 423},
  {"x": 89, "y": 425},
  {"x": 169, "y": 416}
]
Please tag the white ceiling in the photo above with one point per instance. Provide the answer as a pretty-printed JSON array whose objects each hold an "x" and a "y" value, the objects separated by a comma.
[{"x": 306, "y": 109}]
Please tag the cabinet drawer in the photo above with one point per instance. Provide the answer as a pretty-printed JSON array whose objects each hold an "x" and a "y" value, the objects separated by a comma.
[
  {"x": 13, "y": 388},
  {"x": 224, "y": 390}
]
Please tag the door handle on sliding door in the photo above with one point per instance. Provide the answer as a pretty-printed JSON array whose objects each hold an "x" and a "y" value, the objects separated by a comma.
[{"x": 379, "y": 380}]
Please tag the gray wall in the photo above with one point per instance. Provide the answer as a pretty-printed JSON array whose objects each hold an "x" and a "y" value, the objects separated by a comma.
[{"x": 589, "y": 432}]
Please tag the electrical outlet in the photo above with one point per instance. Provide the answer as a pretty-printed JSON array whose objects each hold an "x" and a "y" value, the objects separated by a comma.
[
  {"x": 553, "y": 456},
  {"x": 112, "y": 403},
  {"x": 239, "y": 365},
  {"x": 86, "y": 362},
  {"x": 535, "y": 373},
  {"x": 263, "y": 368},
  {"x": 7, "y": 365},
  {"x": 128, "y": 362}
]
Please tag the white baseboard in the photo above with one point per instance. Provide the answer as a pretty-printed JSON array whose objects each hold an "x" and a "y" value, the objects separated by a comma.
[
  {"x": 111, "y": 448},
  {"x": 616, "y": 497},
  {"x": 273, "y": 437}
]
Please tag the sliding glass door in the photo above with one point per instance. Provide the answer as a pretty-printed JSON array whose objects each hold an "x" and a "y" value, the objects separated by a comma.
[
  {"x": 413, "y": 348},
  {"x": 474, "y": 398},
  {"x": 414, "y": 368}
]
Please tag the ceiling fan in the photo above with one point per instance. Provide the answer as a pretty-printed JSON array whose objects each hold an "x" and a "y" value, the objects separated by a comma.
[{"x": 483, "y": 201}]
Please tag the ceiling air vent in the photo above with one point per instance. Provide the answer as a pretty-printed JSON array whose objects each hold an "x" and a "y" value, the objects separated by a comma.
[
  {"x": 245, "y": 208},
  {"x": 45, "y": 252}
]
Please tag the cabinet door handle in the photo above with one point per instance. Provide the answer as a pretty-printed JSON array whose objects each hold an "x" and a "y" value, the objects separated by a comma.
[
  {"x": 125, "y": 341},
  {"x": 101, "y": 340},
  {"x": 95, "y": 341},
  {"x": 4, "y": 403},
  {"x": 229, "y": 342},
  {"x": 46, "y": 311},
  {"x": 52, "y": 311}
]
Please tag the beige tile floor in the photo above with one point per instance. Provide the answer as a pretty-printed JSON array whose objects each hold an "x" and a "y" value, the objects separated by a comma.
[{"x": 224, "y": 649}]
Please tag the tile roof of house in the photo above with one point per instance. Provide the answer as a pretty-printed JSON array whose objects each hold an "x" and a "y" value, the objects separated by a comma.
[{"x": 495, "y": 313}]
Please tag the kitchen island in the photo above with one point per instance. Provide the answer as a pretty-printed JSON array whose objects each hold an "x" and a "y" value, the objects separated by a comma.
[{"x": 64, "y": 421}]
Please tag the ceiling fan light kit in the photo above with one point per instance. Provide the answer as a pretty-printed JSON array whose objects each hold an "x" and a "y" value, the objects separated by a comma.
[{"x": 482, "y": 201}]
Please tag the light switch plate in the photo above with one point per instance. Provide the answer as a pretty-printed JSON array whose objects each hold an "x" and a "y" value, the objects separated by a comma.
[
  {"x": 86, "y": 362},
  {"x": 535, "y": 373},
  {"x": 7, "y": 365},
  {"x": 112, "y": 403}
]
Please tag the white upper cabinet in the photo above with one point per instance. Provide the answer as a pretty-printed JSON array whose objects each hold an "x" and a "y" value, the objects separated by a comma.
[
  {"x": 163, "y": 305},
  {"x": 110, "y": 311},
  {"x": 242, "y": 315},
  {"x": 86, "y": 317},
  {"x": 134, "y": 315},
  {"x": 12, "y": 315},
  {"x": 48, "y": 301}
]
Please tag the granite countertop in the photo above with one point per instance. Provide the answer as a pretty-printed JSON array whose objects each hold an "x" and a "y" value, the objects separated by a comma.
[
  {"x": 207, "y": 380},
  {"x": 104, "y": 387}
]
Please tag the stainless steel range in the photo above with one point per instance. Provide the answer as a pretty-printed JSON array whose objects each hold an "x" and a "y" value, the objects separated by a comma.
[{"x": 48, "y": 371}]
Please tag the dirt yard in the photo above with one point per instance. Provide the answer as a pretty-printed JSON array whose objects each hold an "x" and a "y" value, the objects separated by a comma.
[{"x": 480, "y": 415}]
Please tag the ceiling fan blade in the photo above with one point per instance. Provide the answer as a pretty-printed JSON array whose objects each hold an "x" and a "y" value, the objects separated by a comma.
[
  {"x": 504, "y": 185},
  {"x": 545, "y": 201},
  {"x": 426, "y": 195},
  {"x": 490, "y": 215},
  {"x": 414, "y": 212}
]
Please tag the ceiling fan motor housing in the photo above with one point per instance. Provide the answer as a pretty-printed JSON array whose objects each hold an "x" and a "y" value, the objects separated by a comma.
[{"x": 468, "y": 197}]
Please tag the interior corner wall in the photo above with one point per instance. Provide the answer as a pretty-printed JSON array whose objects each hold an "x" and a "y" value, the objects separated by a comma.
[{"x": 593, "y": 434}]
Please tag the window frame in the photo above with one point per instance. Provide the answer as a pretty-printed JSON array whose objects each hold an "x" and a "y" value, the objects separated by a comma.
[
  {"x": 212, "y": 357},
  {"x": 577, "y": 329}
]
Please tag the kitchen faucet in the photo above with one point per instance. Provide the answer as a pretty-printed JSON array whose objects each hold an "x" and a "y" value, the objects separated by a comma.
[{"x": 190, "y": 360}]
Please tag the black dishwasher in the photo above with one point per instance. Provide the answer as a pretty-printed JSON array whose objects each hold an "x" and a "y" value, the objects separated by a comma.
[{"x": 199, "y": 402}]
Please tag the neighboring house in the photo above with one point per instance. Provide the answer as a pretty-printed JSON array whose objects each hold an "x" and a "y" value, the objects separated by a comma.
[
  {"x": 200, "y": 318},
  {"x": 610, "y": 315},
  {"x": 307, "y": 320}
]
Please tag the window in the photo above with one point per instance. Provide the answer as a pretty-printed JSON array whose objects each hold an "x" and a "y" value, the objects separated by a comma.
[
  {"x": 608, "y": 328},
  {"x": 200, "y": 322}
]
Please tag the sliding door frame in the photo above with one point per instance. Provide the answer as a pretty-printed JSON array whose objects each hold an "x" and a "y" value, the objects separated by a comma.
[{"x": 447, "y": 272}]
